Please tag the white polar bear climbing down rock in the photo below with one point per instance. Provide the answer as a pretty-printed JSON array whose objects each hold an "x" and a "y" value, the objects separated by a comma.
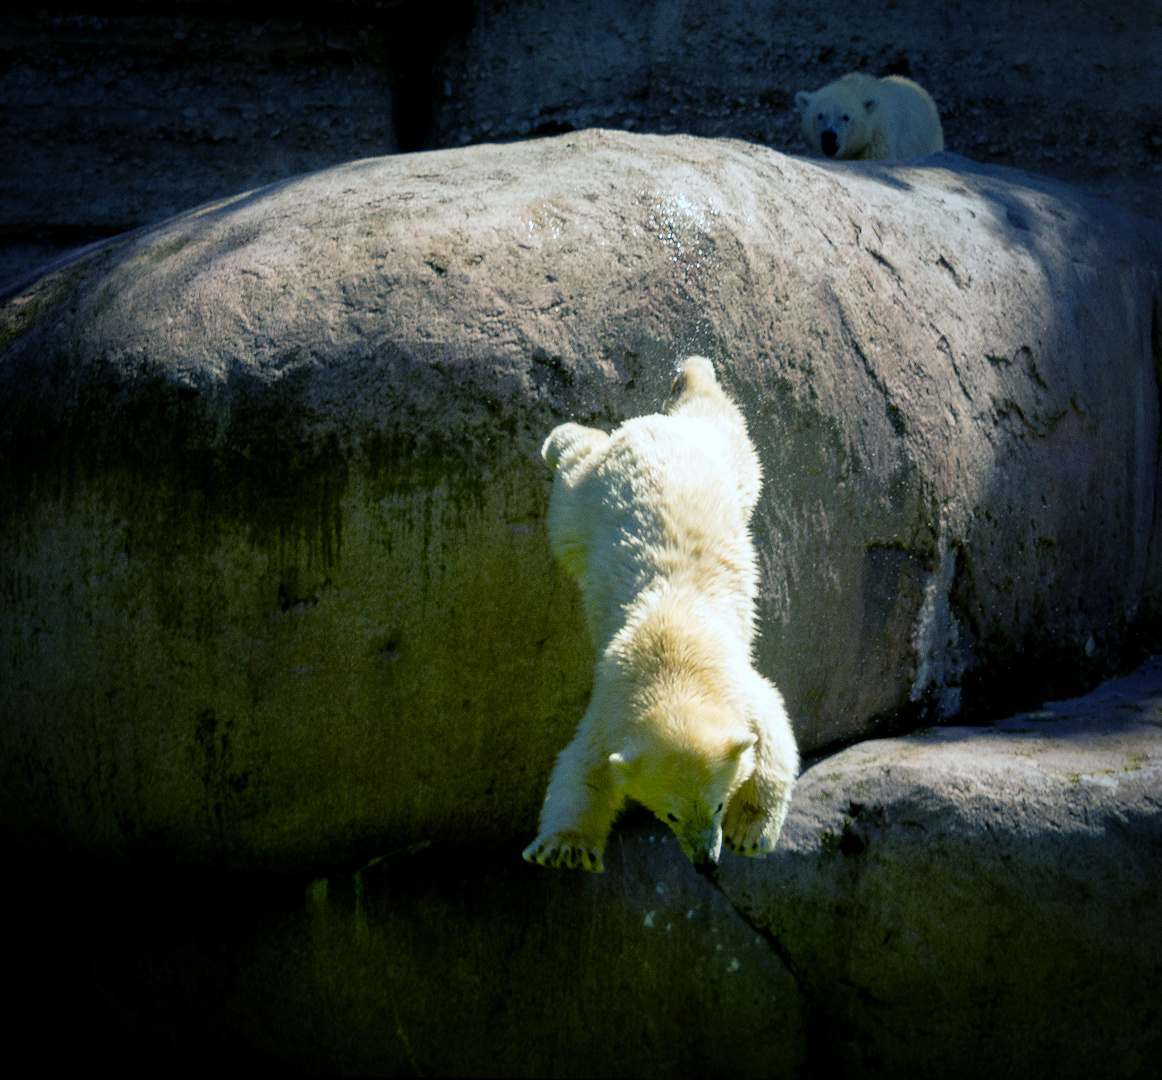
[
  {"x": 871, "y": 119},
  {"x": 652, "y": 522}
]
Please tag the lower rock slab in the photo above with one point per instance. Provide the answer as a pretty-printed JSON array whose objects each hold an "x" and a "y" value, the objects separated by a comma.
[
  {"x": 979, "y": 900},
  {"x": 959, "y": 902},
  {"x": 435, "y": 963}
]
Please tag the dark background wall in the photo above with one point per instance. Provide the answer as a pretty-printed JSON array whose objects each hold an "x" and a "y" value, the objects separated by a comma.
[
  {"x": 114, "y": 115},
  {"x": 119, "y": 114}
]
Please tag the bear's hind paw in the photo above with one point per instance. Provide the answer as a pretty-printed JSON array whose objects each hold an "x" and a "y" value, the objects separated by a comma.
[{"x": 567, "y": 851}]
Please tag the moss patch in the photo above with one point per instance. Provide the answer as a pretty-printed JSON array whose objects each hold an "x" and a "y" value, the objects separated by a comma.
[{"x": 19, "y": 314}]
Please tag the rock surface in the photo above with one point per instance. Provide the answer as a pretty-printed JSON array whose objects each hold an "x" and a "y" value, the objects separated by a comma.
[
  {"x": 986, "y": 898},
  {"x": 963, "y": 902},
  {"x": 276, "y": 586},
  {"x": 98, "y": 135},
  {"x": 114, "y": 119},
  {"x": 482, "y": 966},
  {"x": 1073, "y": 96}
]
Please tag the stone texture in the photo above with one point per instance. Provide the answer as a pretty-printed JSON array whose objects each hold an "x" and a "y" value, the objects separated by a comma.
[
  {"x": 121, "y": 116},
  {"x": 276, "y": 586},
  {"x": 962, "y": 902},
  {"x": 93, "y": 99},
  {"x": 147, "y": 115},
  {"x": 1070, "y": 96},
  {"x": 476, "y": 965},
  {"x": 986, "y": 898}
]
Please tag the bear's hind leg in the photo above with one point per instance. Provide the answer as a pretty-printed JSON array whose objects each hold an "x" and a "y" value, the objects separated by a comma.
[{"x": 580, "y": 805}]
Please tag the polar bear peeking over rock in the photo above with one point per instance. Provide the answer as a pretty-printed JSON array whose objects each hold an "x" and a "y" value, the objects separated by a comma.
[
  {"x": 652, "y": 522},
  {"x": 861, "y": 117}
]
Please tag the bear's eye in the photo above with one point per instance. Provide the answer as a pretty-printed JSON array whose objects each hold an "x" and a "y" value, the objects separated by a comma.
[
  {"x": 820, "y": 116},
  {"x": 672, "y": 817},
  {"x": 846, "y": 118},
  {"x": 719, "y": 810}
]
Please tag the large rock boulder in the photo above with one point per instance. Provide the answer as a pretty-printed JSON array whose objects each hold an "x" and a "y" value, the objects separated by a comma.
[{"x": 276, "y": 589}]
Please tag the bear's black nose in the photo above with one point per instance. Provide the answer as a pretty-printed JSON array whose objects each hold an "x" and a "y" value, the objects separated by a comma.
[{"x": 830, "y": 143}]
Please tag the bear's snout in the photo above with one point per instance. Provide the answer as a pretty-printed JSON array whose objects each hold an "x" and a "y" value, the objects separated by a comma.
[
  {"x": 702, "y": 848},
  {"x": 830, "y": 142}
]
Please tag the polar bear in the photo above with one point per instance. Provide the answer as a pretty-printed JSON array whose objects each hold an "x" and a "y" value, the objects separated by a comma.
[
  {"x": 871, "y": 119},
  {"x": 652, "y": 522}
]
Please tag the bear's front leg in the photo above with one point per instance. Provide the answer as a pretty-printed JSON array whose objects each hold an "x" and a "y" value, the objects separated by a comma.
[
  {"x": 580, "y": 805},
  {"x": 758, "y": 808},
  {"x": 751, "y": 824}
]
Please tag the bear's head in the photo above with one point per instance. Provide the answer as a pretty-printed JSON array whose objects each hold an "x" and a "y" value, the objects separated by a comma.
[
  {"x": 684, "y": 764},
  {"x": 837, "y": 120}
]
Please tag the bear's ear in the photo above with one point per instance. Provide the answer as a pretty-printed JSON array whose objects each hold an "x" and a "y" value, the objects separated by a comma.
[
  {"x": 741, "y": 747},
  {"x": 870, "y": 105},
  {"x": 697, "y": 373},
  {"x": 802, "y": 99}
]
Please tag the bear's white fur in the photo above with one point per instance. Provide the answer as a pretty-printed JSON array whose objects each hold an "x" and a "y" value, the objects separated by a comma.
[
  {"x": 652, "y": 522},
  {"x": 871, "y": 119}
]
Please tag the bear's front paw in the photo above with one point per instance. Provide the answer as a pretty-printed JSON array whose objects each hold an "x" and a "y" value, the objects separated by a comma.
[
  {"x": 565, "y": 849},
  {"x": 749, "y": 830}
]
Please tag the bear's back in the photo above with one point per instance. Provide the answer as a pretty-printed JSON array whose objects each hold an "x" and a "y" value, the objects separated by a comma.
[
  {"x": 663, "y": 501},
  {"x": 910, "y": 119},
  {"x": 658, "y": 468}
]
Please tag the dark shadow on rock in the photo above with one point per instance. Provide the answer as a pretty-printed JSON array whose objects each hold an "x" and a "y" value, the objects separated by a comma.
[
  {"x": 199, "y": 214},
  {"x": 442, "y": 962}
]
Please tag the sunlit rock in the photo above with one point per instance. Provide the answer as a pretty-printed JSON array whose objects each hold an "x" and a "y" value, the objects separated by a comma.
[{"x": 275, "y": 585}]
